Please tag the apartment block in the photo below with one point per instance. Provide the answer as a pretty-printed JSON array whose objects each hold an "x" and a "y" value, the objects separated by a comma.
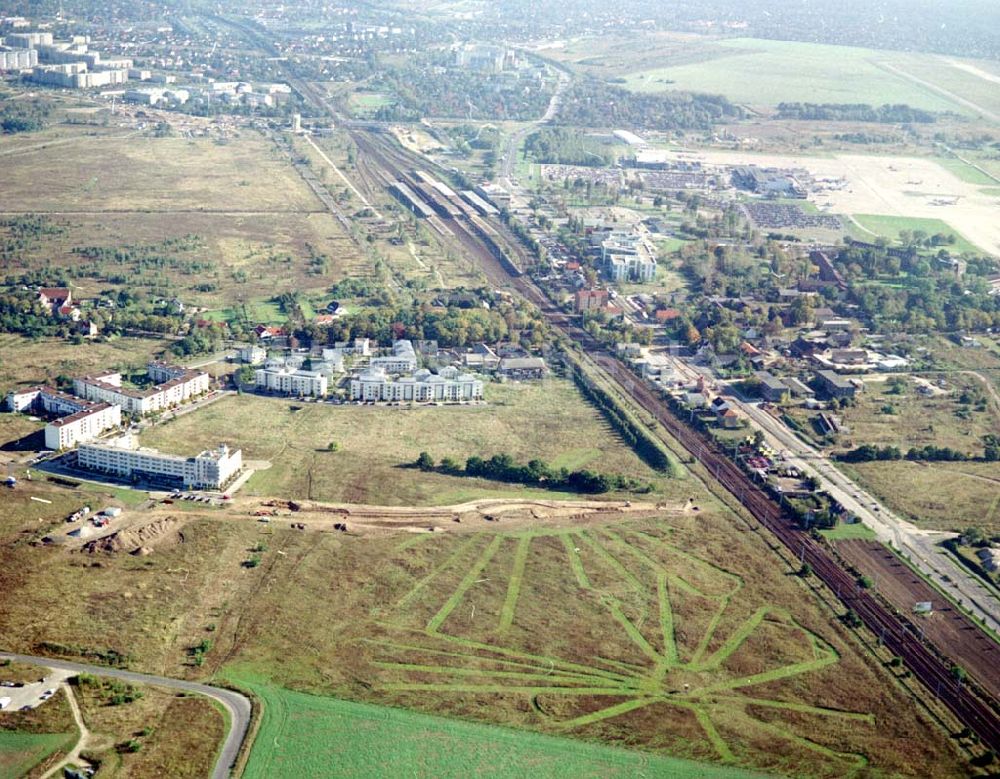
[
  {"x": 402, "y": 360},
  {"x": 174, "y": 385},
  {"x": 123, "y": 458},
  {"x": 289, "y": 381},
  {"x": 374, "y": 385},
  {"x": 83, "y": 426}
]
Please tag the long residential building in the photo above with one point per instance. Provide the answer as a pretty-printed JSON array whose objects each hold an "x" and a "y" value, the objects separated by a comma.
[
  {"x": 174, "y": 386},
  {"x": 375, "y": 386},
  {"x": 288, "y": 381},
  {"x": 211, "y": 469},
  {"x": 83, "y": 426},
  {"x": 79, "y": 420},
  {"x": 402, "y": 360}
]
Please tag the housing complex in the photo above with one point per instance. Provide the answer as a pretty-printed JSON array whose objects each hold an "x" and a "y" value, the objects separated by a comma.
[
  {"x": 79, "y": 420},
  {"x": 122, "y": 457},
  {"x": 626, "y": 255},
  {"x": 174, "y": 385},
  {"x": 286, "y": 380},
  {"x": 374, "y": 385}
]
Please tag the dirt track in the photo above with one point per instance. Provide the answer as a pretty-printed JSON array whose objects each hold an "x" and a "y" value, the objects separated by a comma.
[{"x": 947, "y": 626}]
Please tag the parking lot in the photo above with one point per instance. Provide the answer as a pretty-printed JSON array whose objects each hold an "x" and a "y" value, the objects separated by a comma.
[{"x": 24, "y": 696}]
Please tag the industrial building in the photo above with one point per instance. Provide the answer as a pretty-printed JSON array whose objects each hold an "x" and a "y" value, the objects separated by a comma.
[
  {"x": 123, "y": 458},
  {"x": 373, "y": 385}
]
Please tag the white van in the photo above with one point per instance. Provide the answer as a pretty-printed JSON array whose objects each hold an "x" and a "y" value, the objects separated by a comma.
[{"x": 4, "y": 703}]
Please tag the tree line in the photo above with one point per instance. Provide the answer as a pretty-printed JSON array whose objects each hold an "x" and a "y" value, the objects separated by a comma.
[{"x": 535, "y": 473}]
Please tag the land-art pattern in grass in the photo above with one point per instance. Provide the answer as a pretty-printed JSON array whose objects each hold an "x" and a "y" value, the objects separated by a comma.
[{"x": 658, "y": 612}]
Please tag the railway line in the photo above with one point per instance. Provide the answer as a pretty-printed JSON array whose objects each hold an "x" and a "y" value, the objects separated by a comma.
[
  {"x": 482, "y": 241},
  {"x": 894, "y": 630}
]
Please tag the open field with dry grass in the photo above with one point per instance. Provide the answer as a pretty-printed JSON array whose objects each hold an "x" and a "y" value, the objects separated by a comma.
[
  {"x": 25, "y": 361},
  {"x": 549, "y": 420},
  {"x": 107, "y": 173},
  {"x": 907, "y": 419},
  {"x": 588, "y": 631},
  {"x": 234, "y": 256},
  {"x": 939, "y": 496}
]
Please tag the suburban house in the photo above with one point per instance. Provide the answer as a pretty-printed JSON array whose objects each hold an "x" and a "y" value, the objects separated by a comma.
[
  {"x": 834, "y": 385},
  {"x": 522, "y": 367}
]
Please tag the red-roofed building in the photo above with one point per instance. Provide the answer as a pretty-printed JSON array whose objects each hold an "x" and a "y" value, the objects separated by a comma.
[
  {"x": 54, "y": 298},
  {"x": 591, "y": 300},
  {"x": 324, "y": 320},
  {"x": 572, "y": 265},
  {"x": 266, "y": 333},
  {"x": 666, "y": 315}
]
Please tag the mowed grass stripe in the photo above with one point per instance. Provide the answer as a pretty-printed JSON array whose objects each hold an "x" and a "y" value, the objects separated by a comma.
[
  {"x": 514, "y": 583},
  {"x": 470, "y": 578}
]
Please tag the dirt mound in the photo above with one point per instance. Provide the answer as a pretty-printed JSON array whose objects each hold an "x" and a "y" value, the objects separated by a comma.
[{"x": 138, "y": 540}]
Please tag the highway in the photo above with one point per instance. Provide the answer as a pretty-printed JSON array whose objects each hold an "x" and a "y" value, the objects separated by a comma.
[{"x": 237, "y": 705}]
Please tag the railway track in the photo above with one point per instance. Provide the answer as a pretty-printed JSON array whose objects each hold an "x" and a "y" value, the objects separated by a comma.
[{"x": 893, "y": 630}]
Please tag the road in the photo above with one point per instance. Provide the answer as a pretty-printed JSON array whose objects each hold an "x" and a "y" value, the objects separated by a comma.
[
  {"x": 919, "y": 545},
  {"x": 237, "y": 705},
  {"x": 514, "y": 141}
]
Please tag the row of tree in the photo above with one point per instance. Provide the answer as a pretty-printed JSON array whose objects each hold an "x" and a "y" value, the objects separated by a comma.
[
  {"x": 535, "y": 473},
  {"x": 928, "y": 453}
]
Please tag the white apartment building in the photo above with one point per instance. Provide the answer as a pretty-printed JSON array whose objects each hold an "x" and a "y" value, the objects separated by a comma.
[
  {"x": 402, "y": 360},
  {"x": 80, "y": 420},
  {"x": 174, "y": 386},
  {"x": 252, "y": 355},
  {"x": 83, "y": 426},
  {"x": 289, "y": 381},
  {"x": 374, "y": 386},
  {"x": 211, "y": 469},
  {"x": 628, "y": 256},
  {"x": 18, "y": 59}
]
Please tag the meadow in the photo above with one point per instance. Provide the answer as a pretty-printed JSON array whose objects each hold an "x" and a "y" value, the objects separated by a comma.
[
  {"x": 891, "y": 226},
  {"x": 679, "y": 634},
  {"x": 306, "y": 735},
  {"x": 548, "y": 420},
  {"x": 766, "y": 72}
]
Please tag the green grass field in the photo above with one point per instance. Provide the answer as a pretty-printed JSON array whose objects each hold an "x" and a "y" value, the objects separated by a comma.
[
  {"x": 309, "y": 735},
  {"x": 766, "y": 72},
  {"x": 891, "y": 226},
  {"x": 549, "y": 420},
  {"x": 966, "y": 172},
  {"x": 19, "y": 752},
  {"x": 845, "y": 532}
]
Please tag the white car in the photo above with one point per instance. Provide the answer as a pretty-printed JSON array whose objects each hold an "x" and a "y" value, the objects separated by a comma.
[
  {"x": 47, "y": 694},
  {"x": 4, "y": 703}
]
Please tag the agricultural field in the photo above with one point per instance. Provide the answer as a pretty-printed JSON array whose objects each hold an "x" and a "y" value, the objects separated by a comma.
[
  {"x": 549, "y": 420},
  {"x": 303, "y": 734},
  {"x": 20, "y": 752},
  {"x": 768, "y": 72}
]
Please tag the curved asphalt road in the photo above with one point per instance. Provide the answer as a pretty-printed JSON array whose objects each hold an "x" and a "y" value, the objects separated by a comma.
[{"x": 236, "y": 704}]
